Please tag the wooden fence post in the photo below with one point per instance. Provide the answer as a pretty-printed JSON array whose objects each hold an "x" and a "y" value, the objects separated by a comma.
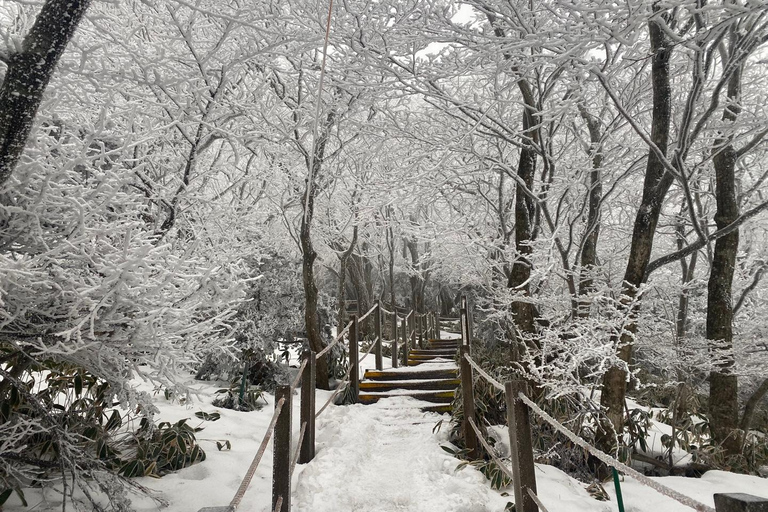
[
  {"x": 405, "y": 340},
  {"x": 464, "y": 322},
  {"x": 412, "y": 328},
  {"x": 377, "y": 327},
  {"x": 521, "y": 447},
  {"x": 437, "y": 326},
  {"x": 307, "y": 416},
  {"x": 420, "y": 328},
  {"x": 281, "y": 462},
  {"x": 468, "y": 401},
  {"x": 354, "y": 357},
  {"x": 394, "y": 336}
]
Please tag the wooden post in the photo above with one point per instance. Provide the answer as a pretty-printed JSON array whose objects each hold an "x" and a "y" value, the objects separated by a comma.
[
  {"x": 466, "y": 329},
  {"x": 394, "y": 337},
  {"x": 420, "y": 327},
  {"x": 740, "y": 502},
  {"x": 464, "y": 323},
  {"x": 377, "y": 327},
  {"x": 521, "y": 447},
  {"x": 437, "y": 326},
  {"x": 281, "y": 462},
  {"x": 468, "y": 401},
  {"x": 354, "y": 357},
  {"x": 307, "y": 416},
  {"x": 412, "y": 329},
  {"x": 404, "y": 333}
]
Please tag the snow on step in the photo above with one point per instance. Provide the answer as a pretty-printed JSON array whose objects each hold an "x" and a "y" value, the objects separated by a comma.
[{"x": 384, "y": 458}]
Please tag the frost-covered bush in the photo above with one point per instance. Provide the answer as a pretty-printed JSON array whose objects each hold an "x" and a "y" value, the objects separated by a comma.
[{"x": 86, "y": 281}]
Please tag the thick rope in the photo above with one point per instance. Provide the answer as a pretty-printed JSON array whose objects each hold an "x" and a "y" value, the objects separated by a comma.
[
  {"x": 298, "y": 448},
  {"x": 536, "y": 500},
  {"x": 610, "y": 461},
  {"x": 279, "y": 504},
  {"x": 484, "y": 374},
  {"x": 338, "y": 390},
  {"x": 367, "y": 351},
  {"x": 490, "y": 450},
  {"x": 334, "y": 342},
  {"x": 296, "y": 381},
  {"x": 367, "y": 314},
  {"x": 259, "y": 454}
]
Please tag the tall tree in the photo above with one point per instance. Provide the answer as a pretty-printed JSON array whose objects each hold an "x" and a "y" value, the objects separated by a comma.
[{"x": 28, "y": 73}]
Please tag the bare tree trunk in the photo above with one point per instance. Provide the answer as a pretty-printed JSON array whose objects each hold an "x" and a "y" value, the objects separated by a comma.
[
  {"x": 592, "y": 233},
  {"x": 341, "y": 294},
  {"x": 655, "y": 186},
  {"x": 308, "y": 254},
  {"x": 523, "y": 311},
  {"x": 28, "y": 74},
  {"x": 723, "y": 384}
]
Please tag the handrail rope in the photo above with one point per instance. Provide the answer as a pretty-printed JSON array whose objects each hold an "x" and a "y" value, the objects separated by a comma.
[
  {"x": 607, "y": 459},
  {"x": 296, "y": 381},
  {"x": 338, "y": 390},
  {"x": 257, "y": 458},
  {"x": 490, "y": 450},
  {"x": 385, "y": 310},
  {"x": 483, "y": 373},
  {"x": 536, "y": 500},
  {"x": 367, "y": 351},
  {"x": 298, "y": 449},
  {"x": 335, "y": 341},
  {"x": 366, "y": 314},
  {"x": 278, "y": 504}
]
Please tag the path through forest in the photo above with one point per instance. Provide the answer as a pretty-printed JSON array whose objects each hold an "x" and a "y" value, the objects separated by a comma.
[{"x": 385, "y": 457}]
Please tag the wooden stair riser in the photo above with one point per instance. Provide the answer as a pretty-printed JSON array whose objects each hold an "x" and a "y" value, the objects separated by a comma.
[
  {"x": 428, "y": 352},
  {"x": 438, "y": 397},
  {"x": 443, "y": 373},
  {"x": 428, "y": 357},
  {"x": 417, "y": 385}
]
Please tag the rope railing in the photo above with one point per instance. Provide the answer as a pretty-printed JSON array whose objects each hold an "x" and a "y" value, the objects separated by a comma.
[
  {"x": 279, "y": 504},
  {"x": 367, "y": 313},
  {"x": 335, "y": 341},
  {"x": 484, "y": 374},
  {"x": 490, "y": 450},
  {"x": 343, "y": 384},
  {"x": 295, "y": 457},
  {"x": 257, "y": 459},
  {"x": 297, "y": 379},
  {"x": 373, "y": 344},
  {"x": 610, "y": 461}
]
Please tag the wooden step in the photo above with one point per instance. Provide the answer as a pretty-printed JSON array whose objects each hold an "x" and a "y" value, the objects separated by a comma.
[
  {"x": 427, "y": 362},
  {"x": 421, "y": 384},
  {"x": 436, "y": 396},
  {"x": 428, "y": 357},
  {"x": 430, "y": 374},
  {"x": 430, "y": 352}
]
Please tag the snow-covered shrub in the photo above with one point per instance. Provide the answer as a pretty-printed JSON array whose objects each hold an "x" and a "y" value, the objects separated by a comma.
[{"x": 87, "y": 283}]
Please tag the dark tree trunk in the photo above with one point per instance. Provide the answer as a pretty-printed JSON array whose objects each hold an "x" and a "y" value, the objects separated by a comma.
[
  {"x": 655, "y": 186},
  {"x": 523, "y": 311},
  {"x": 308, "y": 254},
  {"x": 592, "y": 232},
  {"x": 29, "y": 73},
  {"x": 341, "y": 295},
  {"x": 723, "y": 384}
]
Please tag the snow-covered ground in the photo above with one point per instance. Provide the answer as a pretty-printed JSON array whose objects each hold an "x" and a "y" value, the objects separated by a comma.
[{"x": 382, "y": 457}]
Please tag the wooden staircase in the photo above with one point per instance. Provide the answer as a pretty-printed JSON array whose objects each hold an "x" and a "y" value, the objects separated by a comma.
[{"x": 431, "y": 376}]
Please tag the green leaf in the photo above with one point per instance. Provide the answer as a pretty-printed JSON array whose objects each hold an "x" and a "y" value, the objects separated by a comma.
[
  {"x": 5, "y": 495},
  {"x": 212, "y": 416},
  {"x": 115, "y": 420},
  {"x": 78, "y": 385}
]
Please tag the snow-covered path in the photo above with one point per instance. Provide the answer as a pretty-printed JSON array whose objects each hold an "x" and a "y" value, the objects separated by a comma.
[{"x": 385, "y": 457}]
